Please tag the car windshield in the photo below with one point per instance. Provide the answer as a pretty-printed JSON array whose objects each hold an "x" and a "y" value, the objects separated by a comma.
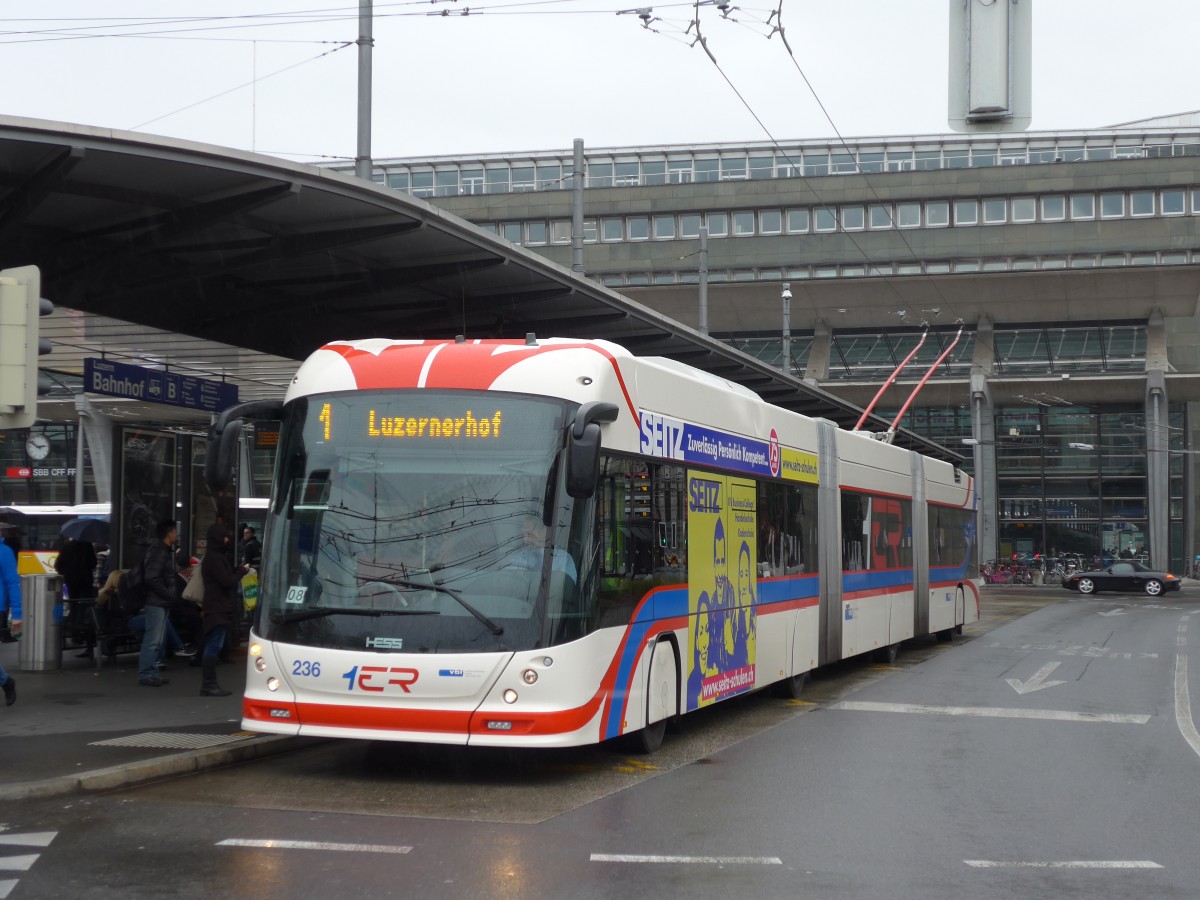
[{"x": 420, "y": 520}]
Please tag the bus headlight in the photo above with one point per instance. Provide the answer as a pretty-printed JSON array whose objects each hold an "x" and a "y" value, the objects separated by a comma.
[
  {"x": 260, "y": 664},
  {"x": 272, "y": 683},
  {"x": 529, "y": 676},
  {"x": 510, "y": 696}
]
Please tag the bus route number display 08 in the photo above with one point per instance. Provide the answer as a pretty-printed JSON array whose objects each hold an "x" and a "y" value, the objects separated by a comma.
[{"x": 383, "y": 425}]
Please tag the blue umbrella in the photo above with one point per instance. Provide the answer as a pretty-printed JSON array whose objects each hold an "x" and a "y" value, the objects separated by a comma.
[{"x": 94, "y": 531}]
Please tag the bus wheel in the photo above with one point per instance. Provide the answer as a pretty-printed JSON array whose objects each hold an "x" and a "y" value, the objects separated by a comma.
[
  {"x": 887, "y": 655},
  {"x": 946, "y": 635},
  {"x": 791, "y": 688},
  {"x": 646, "y": 740}
]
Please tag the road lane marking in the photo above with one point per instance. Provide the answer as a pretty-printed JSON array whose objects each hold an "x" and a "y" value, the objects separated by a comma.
[
  {"x": 6, "y": 887},
  {"x": 1057, "y": 715},
  {"x": 28, "y": 839},
  {"x": 1064, "y": 864},
  {"x": 312, "y": 845},
  {"x": 1037, "y": 681},
  {"x": 708, "y": 860},
  {"x": 18, "y": 863},
  {"x": 1183, "y": 705}
]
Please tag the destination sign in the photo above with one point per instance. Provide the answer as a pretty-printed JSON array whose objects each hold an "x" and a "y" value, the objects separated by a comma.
[{"x": 103, "y": 376}]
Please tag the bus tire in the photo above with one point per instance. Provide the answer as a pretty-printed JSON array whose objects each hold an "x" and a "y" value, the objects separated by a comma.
[
  {"x": 791, "y": 688},
  {"x": 946, "y": 635},
  {"x": 646, "y": 740}
]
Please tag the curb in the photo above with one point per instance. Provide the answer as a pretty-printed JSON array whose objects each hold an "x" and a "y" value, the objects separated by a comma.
[{"x": 129, "y": 774}]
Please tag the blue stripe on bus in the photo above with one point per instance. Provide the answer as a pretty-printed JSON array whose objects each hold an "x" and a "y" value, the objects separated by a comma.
[{"x": 853, "y": 582}]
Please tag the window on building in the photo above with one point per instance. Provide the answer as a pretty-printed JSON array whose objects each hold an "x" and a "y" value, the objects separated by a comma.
[
  {"x": 797, "y": 221},
  {"x": 824, "y": 219},
  {"x": 1141, "y": 203},
  {"x": 535, "y": 233},
  {"x": 816, "y": 163},
  {"x": 1196, "y": 201},
  {"x": 549, "y": 178},
  {"x": 995, "y": 211},
  {"x": 966, "y": 212},
  {"x": 664, "y": 228},
  {"x": 560, "y": 231},
  {"x": 511, "y": 231},
  {"x": 770, "y": 221},
  {"x": 733, "y": 168},
  {"x": 612, "y": 229},
  {"x": 422, "y": 184},
  {"x": 1172, "y": 202},
  {"x": 654, "y": 172},
  {"x": 599, "y": 175},
  {"x": 761, "y": 167},
  {"x": 981, "y": 157},
  {"x": 881, "y": 215},
  {"x": 638, "y": 228},
  {"x": 523, "y": 179},
  {"x": 870, "y": 162},
  {"x": 398, "y": 180},
  {"x": 743, "y": 223},
  {"x": 446, "y": 184},
  {"x": 937, "y": 213},
  {"x": 853, "y": 218},
  {"x": 957, "y": 159},
  {"x": 843, "y": 164},
  {"x": 589, "y": 231},
  {"x": 626, "y": 174},
  {"x": 1054, "y": 208},
  {"x": 496, "y": 178},
  {"x": 707, "y": 170},
  {"x": 1112, "y": 206},
  {"x": 718, "y": 224},
  {"x": 689, "y": 226},
  {"x": 1083, "y": 206},
  {"x": 472, "y": 181},
  {"x": 908, "y": 215},
  {"x": 679, "y": 171},
  {"x": 1024, "y": 209}
]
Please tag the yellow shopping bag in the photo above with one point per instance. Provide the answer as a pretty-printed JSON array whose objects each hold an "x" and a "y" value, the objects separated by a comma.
[{"x": 250, "y": 591}]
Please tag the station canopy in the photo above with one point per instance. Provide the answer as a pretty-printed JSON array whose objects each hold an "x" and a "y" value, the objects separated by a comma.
[{"x": 233, "y": 266}]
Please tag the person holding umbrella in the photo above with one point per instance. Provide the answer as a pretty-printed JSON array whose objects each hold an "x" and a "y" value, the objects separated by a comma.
[{"x": 76, "y": 563}]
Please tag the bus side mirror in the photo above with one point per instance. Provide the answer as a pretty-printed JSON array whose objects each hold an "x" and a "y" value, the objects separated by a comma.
[
  {"x": 224, "y": 435},
  {"x": 583, "y": 463},
  {"x": 583, "y": 447}
]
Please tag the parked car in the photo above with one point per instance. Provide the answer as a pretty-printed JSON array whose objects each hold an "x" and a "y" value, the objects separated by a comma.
[{"x": 1122, "y": 576}]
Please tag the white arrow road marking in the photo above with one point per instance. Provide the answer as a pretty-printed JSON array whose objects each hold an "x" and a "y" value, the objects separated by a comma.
[
  {"x": 1037, "y": 682},
  {"x": 710, "y": 860},
  {"x": 18, "y": 863},
  {"x": 1065, "y": 864},
  {"x": 29, "y": 839},
  {"x": 6, "y": 887},
  {"x": 1114, "y": 612},
  {"x": 312, "y": 845}
]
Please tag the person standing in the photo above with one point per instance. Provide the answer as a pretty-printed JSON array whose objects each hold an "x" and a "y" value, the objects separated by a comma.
[
  {"x": 10, "y": 599},
  {"x": 250, "y": 548},
  {"x": 221, "y": 580},
  {"x": 160, "y": 594},
  {"x": 76, "y": 563}
]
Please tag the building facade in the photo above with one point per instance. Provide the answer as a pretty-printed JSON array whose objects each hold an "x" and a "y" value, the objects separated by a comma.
[{"x": 1056, "y": 275}]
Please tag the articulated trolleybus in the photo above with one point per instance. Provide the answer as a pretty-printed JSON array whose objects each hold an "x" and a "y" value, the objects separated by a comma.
[{"x": 556, "y": 543}]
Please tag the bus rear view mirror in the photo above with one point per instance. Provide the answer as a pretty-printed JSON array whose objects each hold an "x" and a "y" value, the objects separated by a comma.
[
  {"x": 583, "y": 447},
  {"x": 224, "y": 435}
]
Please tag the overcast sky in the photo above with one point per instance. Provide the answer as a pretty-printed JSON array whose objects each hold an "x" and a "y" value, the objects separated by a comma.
[{"x": 277, "y": 76}]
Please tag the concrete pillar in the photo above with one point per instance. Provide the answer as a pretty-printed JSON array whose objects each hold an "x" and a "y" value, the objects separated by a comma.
[
  {"x": 97, "y": 429},
  {"x": 1158, "y": 467},
  {"x": 816, "y": 371},
  {"x": 983, "y": 430}
]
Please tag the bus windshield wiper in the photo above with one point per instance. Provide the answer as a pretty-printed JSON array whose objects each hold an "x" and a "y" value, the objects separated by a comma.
[
  {"x": 320, "y": 612},
  {"x": 491, "y": 626}
]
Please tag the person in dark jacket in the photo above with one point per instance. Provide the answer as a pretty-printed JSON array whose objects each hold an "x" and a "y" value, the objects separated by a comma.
[
  {"x": 76, "y": 563},
  {"x": 160, "y": 594},
  {"x": 221, "y": 580}
]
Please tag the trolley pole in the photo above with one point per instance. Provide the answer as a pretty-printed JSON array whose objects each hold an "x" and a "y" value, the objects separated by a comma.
[
  {"x": 704, "y": 279},
  {"x": 362, "y": 162}
]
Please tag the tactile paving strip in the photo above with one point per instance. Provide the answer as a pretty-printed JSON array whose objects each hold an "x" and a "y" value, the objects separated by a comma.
[{"x": 173, "y": 741}]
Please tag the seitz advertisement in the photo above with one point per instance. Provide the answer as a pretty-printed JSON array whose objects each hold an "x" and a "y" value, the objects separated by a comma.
[{"x": 723, "y": 587}]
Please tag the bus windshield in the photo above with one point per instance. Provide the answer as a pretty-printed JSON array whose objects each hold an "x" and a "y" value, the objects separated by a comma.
[{"x": 422, "y": 521}]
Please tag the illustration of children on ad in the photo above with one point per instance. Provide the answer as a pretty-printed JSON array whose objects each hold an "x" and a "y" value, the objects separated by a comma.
[{"x": 721, "y": 629}]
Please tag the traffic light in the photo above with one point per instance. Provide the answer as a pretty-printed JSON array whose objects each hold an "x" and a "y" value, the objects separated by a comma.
[{"x": 21, "y": 305}]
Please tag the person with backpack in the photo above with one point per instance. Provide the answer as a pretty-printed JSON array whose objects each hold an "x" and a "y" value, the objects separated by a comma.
[
  {"x": 159, "y": 577},
  {"x": 10, "y": 599}
]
